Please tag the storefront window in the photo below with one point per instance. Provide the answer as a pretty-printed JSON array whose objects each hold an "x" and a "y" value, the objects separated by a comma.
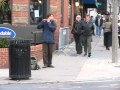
[
  {"x": 36, "y": 11},
  {"x": 5, "y": 11}
]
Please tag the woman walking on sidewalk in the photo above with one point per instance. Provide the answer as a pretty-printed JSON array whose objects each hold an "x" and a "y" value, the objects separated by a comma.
[
  {"x": 49, "y": 26},
  {"x": 77, "y": 33},
  {"x": 107, "y": 27}
]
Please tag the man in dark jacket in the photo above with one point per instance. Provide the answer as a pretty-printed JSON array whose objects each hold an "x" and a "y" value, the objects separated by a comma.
[
  {"x": 98, "y": 23},
  {"x": 88, "y": 29},
  {"x": 77, "y": 33},
  {"x": 48, "y": 25}
]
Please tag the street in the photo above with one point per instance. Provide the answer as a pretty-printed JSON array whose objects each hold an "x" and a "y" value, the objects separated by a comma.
[{"x": 97, "y": 85}]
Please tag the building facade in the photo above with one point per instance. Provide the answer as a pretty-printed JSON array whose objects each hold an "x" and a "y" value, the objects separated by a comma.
[{"x": 24, "y": 15}]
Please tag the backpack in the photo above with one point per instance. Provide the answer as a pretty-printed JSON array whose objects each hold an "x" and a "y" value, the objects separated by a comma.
[{"x": 34, "y": 64}]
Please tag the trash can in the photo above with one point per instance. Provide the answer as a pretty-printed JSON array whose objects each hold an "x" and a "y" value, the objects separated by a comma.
[{"x": 19, "y": 59}]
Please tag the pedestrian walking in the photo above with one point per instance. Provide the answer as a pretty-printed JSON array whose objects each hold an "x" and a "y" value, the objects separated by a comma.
[
  {"x": 88, "y": 29},
  {"x": 107, "y": 28},
  {"x": 93, "y": 21},
  {"x": 98, "y": 23},
  {"x": 49, "y": 26},
  {"x": 77, "y": 33}
]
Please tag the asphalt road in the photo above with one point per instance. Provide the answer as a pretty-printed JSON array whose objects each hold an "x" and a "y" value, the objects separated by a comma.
[{"x": 98, "y": 85}]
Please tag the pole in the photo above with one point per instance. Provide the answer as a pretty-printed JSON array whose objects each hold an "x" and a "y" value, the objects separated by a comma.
[
  {"x": 115, "y": 32},
  {"x": 110, "y": 8}
]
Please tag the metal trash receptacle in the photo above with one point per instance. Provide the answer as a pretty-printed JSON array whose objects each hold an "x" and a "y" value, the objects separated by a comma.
[{"x": 19, "y": 59}]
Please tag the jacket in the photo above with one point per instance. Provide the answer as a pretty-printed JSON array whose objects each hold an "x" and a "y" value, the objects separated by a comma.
[
  {"x": 77, "y": 28},
  {"x": 88, "y": 28},
  {"x": 101, "y": 22},
  {"x": 48, "y": 31}
]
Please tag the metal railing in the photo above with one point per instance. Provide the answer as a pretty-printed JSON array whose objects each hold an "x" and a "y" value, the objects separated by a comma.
[{"x": 64, "y": 40}]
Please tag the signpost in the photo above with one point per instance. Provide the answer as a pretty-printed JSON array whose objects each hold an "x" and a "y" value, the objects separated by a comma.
[{"x": 115, "y": 32}]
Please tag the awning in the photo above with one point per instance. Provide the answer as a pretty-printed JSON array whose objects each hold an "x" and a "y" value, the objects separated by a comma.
[{"x": 90, "y": 3}]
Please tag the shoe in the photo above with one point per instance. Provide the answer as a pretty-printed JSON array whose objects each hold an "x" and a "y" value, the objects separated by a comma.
[
  {"x": 89, "y": 55},
  {"x": 79, "y": 53},
  {"x": 45, "y": 66},
  {"x": 51, "y": 66},
  {"x": 107, "y": 48}
]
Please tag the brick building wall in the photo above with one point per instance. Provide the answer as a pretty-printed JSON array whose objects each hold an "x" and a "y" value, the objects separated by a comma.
[
  {"x": 20, "y": 16},
  {"x": 4, "y": 55},
  {"x": 57, "y": 15},
  {"x": 66, "y": 4},
  {"x": 36, "y": 50},
  {"x": 20, "y": 12}
]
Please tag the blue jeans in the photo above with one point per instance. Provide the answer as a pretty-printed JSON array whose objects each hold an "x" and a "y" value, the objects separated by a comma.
[{"x": 98, "y": 30}]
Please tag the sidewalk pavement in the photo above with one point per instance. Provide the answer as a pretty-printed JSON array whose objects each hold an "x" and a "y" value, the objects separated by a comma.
[{"x": 73, "y": 67}]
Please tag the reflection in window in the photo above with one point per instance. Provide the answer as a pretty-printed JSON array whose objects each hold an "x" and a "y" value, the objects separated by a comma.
[
  {"x": 35, "y": 11},
  {"x": 5, "y": 11}
]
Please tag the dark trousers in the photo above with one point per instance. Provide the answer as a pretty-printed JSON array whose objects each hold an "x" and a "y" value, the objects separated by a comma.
[
  {"x": 47, "y": 53},
  {"x": 108, "y": 39},
  {"x": 78, "y": 43},
  {"x": 119, "y": 41},
  {"x": 87, "y": 44}
]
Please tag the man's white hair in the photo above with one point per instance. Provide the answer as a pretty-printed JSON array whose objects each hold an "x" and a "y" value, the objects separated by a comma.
[{"x": 78, "y": 16}]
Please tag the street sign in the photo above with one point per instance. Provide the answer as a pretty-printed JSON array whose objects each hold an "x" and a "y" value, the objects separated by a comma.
[{"x": 7, "y": 32}]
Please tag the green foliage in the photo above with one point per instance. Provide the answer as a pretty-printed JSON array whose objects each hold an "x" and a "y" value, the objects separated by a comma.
[
  {"x": 2, "y": 5},
  {"x": 4, "y": 8},
  {"x": 4, "y": 42}
]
